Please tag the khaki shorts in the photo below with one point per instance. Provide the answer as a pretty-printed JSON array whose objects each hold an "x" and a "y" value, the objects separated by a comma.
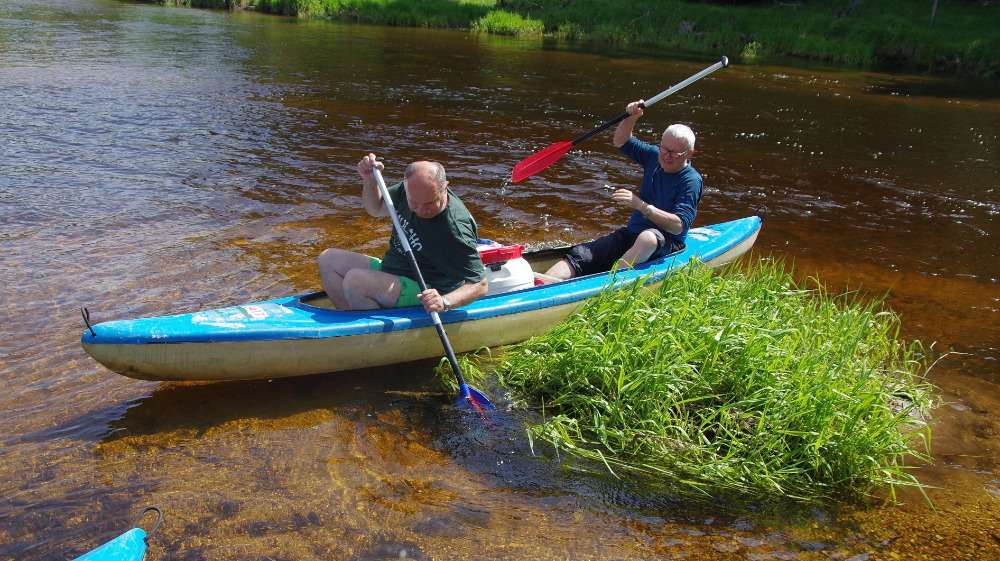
[{"x": 408, "y": 288}]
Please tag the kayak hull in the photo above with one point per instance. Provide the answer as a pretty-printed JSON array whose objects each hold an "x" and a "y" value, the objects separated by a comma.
[
  {"x": 278, "y": 358},
  {"x": 302, "y": 335}
]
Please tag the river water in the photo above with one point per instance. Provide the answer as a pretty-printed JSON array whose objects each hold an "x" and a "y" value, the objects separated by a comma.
[{"x": 157, "y": 160}]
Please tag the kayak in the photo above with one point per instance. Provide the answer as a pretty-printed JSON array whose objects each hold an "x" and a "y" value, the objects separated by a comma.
[
  {"x": 130, "y": 546},
  {"x": 304, "y": 334}
]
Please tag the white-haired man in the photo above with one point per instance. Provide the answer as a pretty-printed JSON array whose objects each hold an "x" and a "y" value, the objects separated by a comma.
[{"x": 663, "y": 211}]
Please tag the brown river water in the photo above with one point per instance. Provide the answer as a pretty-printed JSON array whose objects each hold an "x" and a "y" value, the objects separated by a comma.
[{"x": 157, "y": 160}]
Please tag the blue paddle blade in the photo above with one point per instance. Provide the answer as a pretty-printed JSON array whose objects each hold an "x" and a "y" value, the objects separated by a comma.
[{"x": 469, "y": 398}]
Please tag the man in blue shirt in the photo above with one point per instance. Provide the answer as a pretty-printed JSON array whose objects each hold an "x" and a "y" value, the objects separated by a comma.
[{"x": 663, "y": 211}]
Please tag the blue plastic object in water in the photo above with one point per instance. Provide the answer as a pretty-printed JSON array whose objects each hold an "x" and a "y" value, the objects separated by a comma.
[{"x": 130, "y": 546}]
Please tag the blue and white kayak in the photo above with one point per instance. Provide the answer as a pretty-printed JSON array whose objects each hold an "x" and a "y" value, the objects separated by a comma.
[
  {"x": 130, "y": 546},
  {"x": 304, "y": 334}
]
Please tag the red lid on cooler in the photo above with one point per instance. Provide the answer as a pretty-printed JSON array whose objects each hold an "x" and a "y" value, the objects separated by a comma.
[{"x": 500, "y": 254}]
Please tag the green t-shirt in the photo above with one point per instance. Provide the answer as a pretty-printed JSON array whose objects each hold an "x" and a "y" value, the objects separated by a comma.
[{"x": 444, "y": 246}]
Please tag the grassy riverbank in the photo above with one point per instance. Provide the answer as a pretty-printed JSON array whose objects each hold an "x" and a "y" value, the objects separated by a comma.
[
  {"x": 884, "y": 34},
  {"x": 742, "y": 383}
]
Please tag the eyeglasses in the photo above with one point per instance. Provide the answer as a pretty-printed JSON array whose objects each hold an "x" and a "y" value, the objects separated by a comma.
[{"x": 673, "y": 153}]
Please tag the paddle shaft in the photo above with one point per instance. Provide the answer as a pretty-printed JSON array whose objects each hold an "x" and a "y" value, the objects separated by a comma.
[
  {"x": 669, "y": 91},
  {"x": 420, "y": 280}
]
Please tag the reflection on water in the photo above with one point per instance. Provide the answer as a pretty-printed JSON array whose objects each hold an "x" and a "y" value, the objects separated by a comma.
[{"x": 159, "y": 160}]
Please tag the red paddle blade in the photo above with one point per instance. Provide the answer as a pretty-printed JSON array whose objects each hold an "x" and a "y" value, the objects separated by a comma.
[{"x": 540, "y": 160}]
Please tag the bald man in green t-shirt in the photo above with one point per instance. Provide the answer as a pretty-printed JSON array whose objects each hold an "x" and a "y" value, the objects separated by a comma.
[{"x": 441, "y": 233}]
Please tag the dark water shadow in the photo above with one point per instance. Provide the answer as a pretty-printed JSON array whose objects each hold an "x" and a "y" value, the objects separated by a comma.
[
  {"x": 501, "y": 451},
  {"x": 194, "y": 408}
]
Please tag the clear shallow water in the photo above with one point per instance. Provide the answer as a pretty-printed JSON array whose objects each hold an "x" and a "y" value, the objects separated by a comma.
[{"x": 156, "y": 160}]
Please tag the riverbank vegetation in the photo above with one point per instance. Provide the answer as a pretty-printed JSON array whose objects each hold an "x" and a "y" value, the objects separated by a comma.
[
  {"x": 740, "y": 384},
  {"x": 955, "y": 37}
]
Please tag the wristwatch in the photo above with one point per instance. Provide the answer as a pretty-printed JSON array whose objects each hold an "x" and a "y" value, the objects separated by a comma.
[
  {"x": 649, "y": 210},
  {"x": 447, "y": 303}
]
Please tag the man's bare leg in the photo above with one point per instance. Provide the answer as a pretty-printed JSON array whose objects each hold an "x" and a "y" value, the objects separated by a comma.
[
  {"x": 640, "y": 251},
  {"x": 367, "y": 289},
  {"x": 334, "y": 265},
  {"x": 561, "y": 270}
]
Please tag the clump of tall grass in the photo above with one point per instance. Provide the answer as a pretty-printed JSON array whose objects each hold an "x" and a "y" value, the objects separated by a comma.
[
  {"x": 742, "y": 383},
  {"x": 499, "y": 22}
]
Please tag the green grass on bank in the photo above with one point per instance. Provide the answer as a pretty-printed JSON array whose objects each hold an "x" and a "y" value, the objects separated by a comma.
[
  {"x": 740, "y": 384},
  {"x": 889, "y": 34}
]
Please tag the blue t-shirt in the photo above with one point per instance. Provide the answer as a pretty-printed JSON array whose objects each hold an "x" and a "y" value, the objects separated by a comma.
[{"x": 676, "y": 193}]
